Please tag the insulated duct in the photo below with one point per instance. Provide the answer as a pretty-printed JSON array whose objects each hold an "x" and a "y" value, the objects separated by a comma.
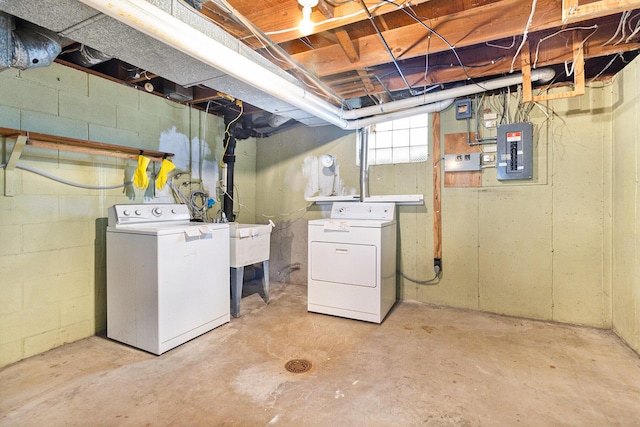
[
  {"x": 26, "y": 47},
  {"x": 88, "y": 57}
]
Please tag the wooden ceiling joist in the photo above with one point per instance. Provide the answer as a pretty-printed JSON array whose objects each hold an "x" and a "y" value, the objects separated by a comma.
[
  {"x": 554, "y": 52},
  {"x": 578, "y": 74},
  {"x": 573, "y": 11},
  {"x": 347, "y": 45},
  {"x": 280, "y": 17},
  {"x": 462, "y": 29}
]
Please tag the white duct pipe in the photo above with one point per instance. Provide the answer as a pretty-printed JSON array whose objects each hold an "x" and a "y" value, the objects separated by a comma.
[
  {"x": 154, "y": 22},
  {"x": 542, "y": 74},
  {"x": 423, "y": 109}
]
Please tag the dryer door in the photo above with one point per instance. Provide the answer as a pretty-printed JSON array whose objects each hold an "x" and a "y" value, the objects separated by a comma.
[{"x": 344, "y": 263}]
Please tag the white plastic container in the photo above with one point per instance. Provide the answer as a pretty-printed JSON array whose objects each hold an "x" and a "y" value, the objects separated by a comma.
[{"x": 249, "y": 243}]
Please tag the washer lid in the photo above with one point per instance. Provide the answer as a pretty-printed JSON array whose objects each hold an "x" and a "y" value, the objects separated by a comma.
[{"x": 191, "y": 229}]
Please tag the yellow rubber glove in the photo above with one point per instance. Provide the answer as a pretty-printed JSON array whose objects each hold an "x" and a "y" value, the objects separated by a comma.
[
  {"x": 165, "y": 168},
  {"x": 140, "y": 177}
]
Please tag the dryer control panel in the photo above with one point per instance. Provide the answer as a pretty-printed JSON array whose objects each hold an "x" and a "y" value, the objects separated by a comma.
[{"x": 357, "y": 210}]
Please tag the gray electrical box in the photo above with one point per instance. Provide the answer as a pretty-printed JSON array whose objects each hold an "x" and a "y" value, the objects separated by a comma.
[
  {"x": 462, "y": 162},
  {"x": 515, "y": 151},
  {"x": 463, "y": 109}
]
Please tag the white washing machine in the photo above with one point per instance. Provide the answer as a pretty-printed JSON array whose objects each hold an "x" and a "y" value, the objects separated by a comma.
[
  {"x": 352, "y": 261},
  {"x": 167, "y": 277}
]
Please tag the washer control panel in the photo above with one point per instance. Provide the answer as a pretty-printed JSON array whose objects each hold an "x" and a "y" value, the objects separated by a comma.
[
  {"x": 138, "y": 214},
  {"x": 358, "y": 210}
]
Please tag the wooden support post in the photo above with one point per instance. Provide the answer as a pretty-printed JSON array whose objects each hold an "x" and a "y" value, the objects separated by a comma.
[
  {"x": 525, "y": 58},
  {"x": 437, "y": 217},
  {"x": 578, "y": 64}
]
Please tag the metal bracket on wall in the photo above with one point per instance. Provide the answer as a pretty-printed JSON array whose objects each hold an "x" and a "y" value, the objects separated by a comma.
[
  {"x": 578, "y": 73},
  {"x": 10, "y": 169}
]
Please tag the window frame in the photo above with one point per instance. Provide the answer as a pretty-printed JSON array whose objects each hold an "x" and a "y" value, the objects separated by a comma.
[{"x": 401, "y": 137}]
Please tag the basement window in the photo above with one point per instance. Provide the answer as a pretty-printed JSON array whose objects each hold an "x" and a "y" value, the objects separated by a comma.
[{"x": 398, "y": 141}]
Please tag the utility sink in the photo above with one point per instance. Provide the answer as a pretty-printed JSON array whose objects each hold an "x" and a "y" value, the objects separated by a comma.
[{"x": 249, "y": 244}]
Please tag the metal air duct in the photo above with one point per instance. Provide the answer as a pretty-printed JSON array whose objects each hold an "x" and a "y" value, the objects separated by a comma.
[
  {"x": 26, "y": 47},
  {"x": 88, "y": 57}
]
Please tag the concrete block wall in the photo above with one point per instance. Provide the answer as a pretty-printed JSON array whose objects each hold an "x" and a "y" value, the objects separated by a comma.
[
  {"x": 539, "y": 249},
  {"x": 626, "y": 200},
  {"x": 527, "y": 248},
  {"x": 280, "y": 191},
  {"x": 52, "y": 251}
]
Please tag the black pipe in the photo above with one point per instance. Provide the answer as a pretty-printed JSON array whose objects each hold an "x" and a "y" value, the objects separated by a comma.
[
  {"x": 229, "y": 158},
  {"x": 237, "y": 128}
]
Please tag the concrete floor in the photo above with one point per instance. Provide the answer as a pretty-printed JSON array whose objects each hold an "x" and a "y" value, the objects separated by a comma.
[{"x": 424, "y": 365}]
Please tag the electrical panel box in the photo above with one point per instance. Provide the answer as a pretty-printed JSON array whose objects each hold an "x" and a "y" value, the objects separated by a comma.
[
  {"x": 462, "y": 162},
  {"x": 463, "y": 109},
  {"x": 515, "y": 151}
]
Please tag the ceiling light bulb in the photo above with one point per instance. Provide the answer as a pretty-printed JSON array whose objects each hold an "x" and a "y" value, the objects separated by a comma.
[{"x": 306, "y": 26}]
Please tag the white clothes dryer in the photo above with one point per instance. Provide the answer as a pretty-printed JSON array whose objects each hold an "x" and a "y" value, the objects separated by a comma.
[
  {"x": 167, "y": 277},
  {"x": 352, "y": 261}
]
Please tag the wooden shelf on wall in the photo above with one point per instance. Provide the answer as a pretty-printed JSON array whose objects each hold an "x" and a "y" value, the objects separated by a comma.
[{"x": 82, "y": 146}]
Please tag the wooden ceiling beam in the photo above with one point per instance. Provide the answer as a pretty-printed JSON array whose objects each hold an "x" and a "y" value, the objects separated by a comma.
[
  {"x": 573, "y": 11},
  {"x": 467, "y": 28},
  {"x": 556, "y": 52},
  {"x": 347, "y": 45},
  {"x": 383, "y": 23},
  {"x": 366, "y": 82},
  {"x": 578, "y": 74},
  {"x": 325, "y": 9},
  {"x": 283, "y": 16},
  {"x": 220, "y": 18}
]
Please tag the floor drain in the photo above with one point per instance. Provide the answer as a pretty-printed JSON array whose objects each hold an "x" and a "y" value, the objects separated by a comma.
[{"x": 298, "y": 366}]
